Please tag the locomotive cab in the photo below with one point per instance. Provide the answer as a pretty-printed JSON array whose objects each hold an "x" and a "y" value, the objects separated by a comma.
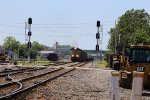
[{"x": 78, "y": 55}]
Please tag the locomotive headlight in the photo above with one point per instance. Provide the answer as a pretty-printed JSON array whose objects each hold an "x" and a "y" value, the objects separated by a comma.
[
  {"x": 72, "y": 55},
  {"x": 77, "y": 55}
]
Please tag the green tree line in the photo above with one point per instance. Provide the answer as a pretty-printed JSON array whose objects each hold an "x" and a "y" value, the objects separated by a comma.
[
  {"x": 11, "y": 44},
  {"x": 133, "y": 27}
]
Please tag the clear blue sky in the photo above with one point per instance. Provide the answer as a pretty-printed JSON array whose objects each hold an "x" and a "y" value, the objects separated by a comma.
[{"x": 70, "y": 22}]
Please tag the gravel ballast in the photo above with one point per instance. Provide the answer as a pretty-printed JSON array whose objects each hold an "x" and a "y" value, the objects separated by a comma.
[{"x": 82, "y": 84}]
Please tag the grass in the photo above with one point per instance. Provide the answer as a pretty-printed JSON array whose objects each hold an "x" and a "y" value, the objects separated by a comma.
[
  {"x": 102, "y": 64},
  {"x": 34, "y": 63}
]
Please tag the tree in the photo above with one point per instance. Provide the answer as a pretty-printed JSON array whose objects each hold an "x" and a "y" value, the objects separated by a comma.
[
  {"x": 23, "y": 51},
  {"x": 0, "y": 47},
  {"x": 10, "y": 44},
  {"x": 64, "y": 46},
  {"x": 133, "y": 27},
  {"x": 35, "y": 48}
]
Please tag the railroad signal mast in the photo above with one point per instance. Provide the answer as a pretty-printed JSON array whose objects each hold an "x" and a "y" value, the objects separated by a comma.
[
  {"x": 99, "y": 40},
  {"x": 29, "y": 35}
]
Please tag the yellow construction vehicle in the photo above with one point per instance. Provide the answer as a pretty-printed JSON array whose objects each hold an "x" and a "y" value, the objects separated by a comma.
[
  {"x": 118, "y": 60},
  {"x": 137, "y": 59}
]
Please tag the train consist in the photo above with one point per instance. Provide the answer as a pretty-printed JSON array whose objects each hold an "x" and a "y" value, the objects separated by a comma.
[
  {"x": 52, "y": 57},
  {"x": 2, "y": 55},
  {"x": 78, "y": 55}
]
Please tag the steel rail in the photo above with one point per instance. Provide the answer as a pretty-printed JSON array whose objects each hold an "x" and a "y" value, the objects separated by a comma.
[
  {"x": 74, "y": 64},
  {"x": 25, "y": 79},
  {"x": 83, "y": 64},
  {"x": 34, "y": 86},
  {"x": 10, "y": 70},
  {"x": 22, "y": 71},
  {"x": 58, "y": 63},
  {"x": 79, "y": 64}
]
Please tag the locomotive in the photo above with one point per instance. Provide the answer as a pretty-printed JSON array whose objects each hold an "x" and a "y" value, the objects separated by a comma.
[
  {"x": 52, "y": 57},
  {"x": 78, "y": 55}
]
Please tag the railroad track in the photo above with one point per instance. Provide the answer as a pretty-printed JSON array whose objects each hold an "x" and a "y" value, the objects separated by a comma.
[
  {"x": 6, "y": 70},
  {"x": 79, "y": 64},
  {"x": 15, "y": 87},
  {"x": 18, "y": 86},
  {"x": 58, "y": 63},
  {"x": 12, "y": 72},
  {"x": 4, "y": 62},
  {"x": 4, "y": 78}
]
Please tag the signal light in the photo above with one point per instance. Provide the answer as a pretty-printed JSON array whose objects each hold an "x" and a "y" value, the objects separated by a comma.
[
  {"x": 98, "y": 23},
  {"x": 30, "y": 21},
  {"x": 29, "y": 33},
  {"x": 29, "y": 44},
  {"x": 97, "y": 47}
]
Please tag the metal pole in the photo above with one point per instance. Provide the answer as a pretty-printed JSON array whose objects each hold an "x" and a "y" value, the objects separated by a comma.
[
  {"x": 119, "y": 37},
  {"x": 29, "y": 34},
  {"x": 133, "y": 21},
  {"x": 98, "y": 45},
  {"x": 97, "y": 51},
  {"x": 115, "y": 40},
  {"x": 97, "y": 37},
  {"x": 100, "y": 40},
  {"x": 29, "y": 44}
]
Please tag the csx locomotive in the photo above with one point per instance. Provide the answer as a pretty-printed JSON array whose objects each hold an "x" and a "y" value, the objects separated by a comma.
[{"x": 78, "y": 55}]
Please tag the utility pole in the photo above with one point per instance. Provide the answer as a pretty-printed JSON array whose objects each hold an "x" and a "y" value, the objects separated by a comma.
[
  {"x": 133, "y": 26},
  {"x": 119, "y": 38},
  {"x": 100, "y": 40},
  {"x": 26, "y": 35},
  {"x": 29, "y": 34},
  {"x": 115, "y": 40}
]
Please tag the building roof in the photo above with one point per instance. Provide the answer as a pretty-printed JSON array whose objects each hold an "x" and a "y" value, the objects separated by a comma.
[{"x": 46, "y": 52}]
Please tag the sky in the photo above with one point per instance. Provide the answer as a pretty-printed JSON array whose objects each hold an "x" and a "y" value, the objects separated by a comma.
[{"x": 68, "y": 22}]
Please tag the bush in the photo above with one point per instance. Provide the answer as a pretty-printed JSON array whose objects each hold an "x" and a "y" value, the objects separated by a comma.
[{"x": 15, "y": 62}]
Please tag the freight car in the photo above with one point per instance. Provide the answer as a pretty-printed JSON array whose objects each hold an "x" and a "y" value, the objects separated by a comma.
[
  {"x": 78, "y": 55},
  {"x": 52, "y": 57},
  {"x": 2, "y": 55}
]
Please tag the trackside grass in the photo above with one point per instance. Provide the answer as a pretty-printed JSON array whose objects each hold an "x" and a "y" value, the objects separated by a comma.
[{"x": 102, "y": 64}]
